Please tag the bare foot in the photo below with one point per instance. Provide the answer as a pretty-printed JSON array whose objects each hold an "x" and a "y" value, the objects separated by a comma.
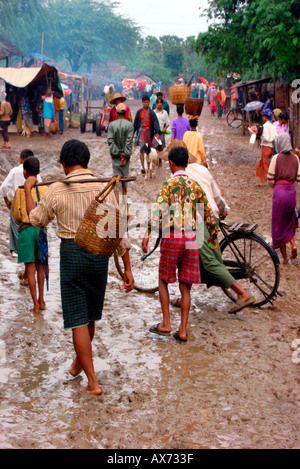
[
  {"x": 95, "y": 392},
  {"x": 42, "y": 304},
  {"x": 75, "y": 368},
  {"x": 35, "y": 309},
  {"x": 294, "y": 253}
]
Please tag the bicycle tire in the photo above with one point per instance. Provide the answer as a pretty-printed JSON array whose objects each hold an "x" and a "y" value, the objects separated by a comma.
[
  {"x": 145, "y": 273},
  {"x": 248, "y": 274},
  {"x": 234, "y": 118}
]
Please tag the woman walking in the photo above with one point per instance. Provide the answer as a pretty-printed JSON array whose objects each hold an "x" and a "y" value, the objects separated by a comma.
[
  {"x": 283, "y": 172},
  {"x": 268, "y": 138}
]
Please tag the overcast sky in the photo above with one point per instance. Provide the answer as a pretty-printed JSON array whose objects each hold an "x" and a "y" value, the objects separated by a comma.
[{"x": 162, "y": 17}]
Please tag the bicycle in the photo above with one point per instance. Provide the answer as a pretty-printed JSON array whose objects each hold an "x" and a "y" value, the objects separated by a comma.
[
  {"x": 248, "y": 256},
  {"x": 235, "y": 117}
]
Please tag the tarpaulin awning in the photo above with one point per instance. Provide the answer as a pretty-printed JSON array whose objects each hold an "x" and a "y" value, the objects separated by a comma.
[{"x": 21, "y": 77}]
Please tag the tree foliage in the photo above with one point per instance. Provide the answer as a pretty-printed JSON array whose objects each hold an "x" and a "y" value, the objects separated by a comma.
[
  {"x": 82, "y": 31},
  {"x": 257, "y": 36}
]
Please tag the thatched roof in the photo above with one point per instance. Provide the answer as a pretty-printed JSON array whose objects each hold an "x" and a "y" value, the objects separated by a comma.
[{"x": 8, "y": 49}]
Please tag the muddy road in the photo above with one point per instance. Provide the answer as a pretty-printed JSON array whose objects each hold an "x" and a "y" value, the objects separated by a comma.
[{"x": 233, "y": 385}]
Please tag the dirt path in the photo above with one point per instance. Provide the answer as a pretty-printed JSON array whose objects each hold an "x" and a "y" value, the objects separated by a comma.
[{"x": 233, "y": 385}]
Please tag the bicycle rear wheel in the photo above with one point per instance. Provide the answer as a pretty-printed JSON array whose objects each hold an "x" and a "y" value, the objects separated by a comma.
[
  {"x": 254, "y": 264},
  {"x": 234, "y": 118},
  {"x": 145, "y": 273}
]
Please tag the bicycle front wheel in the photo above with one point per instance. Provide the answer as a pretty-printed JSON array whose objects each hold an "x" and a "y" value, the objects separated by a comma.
[
  {"x": 234, "y": 118},
  {"x": 254, "y": 264},
  {"x": 145, "y": 273}
]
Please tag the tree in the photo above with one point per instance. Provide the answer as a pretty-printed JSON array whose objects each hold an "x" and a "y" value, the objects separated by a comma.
[
  {"x": 258, "y": 36},
  {"x": 174, "y": 58}
]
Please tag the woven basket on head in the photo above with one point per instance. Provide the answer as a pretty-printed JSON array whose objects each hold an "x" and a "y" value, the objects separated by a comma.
[
  {"x": 193, "y": 106},
  {"x": 178, "y": 93},
  {"x": 103, "y": 225}
]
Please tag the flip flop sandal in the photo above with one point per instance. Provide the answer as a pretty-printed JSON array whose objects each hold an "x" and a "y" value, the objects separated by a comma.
[
  {"x": 177, "y": 337},
  {"x": 155, "y": 330},
  {"x": 242, "y": 305}
]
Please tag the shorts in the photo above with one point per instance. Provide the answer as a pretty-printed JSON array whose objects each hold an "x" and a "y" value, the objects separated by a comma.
[
  {"x": 180, "y": 252},
  {"x": 83, "y": 279},
  {"x": 28, "y": 245}
]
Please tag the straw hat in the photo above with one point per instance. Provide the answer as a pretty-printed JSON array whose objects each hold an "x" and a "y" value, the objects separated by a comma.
[
  {"x": 118, "y": 96},
  {"x": 277, "y": 112},
  {"x": 176, "y": 143}
]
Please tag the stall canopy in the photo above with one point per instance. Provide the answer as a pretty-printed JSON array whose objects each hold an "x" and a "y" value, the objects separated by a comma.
[{"x": 22, "y": 77}]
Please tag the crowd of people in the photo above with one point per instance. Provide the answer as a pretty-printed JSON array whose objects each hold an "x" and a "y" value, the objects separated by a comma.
[
  {"x": 84, "y": 275},
  {"x": 39, "y": 108}
]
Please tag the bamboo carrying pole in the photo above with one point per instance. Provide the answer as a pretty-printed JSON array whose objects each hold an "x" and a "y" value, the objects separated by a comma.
[{"x": 81, "y": 181}]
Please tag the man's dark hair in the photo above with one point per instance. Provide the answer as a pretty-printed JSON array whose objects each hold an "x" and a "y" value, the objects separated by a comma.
[
  {"x": 75, "y": 153},
  {"x": 25, "y": 154},
  {"x": 284, "y": 115},
  {"x": 193, "y": 123},
  {"x": 159, "y": 94},
  {"x": 180, "y": 109},
  {"x": 159, "y": 100},
  {"x": 179, "y": 156},
  {"x": 32, "y": 165}
]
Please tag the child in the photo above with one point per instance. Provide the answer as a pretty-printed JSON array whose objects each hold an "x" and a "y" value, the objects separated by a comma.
[
  {"x": 179, "y": 247},
  {"x": 14, "y": 179},
  {"x": 29, "y": 251}
]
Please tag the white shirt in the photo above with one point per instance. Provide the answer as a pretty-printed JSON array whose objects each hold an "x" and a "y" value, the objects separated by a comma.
[
  {"x": 204, "y": 178},
  {"x": 269, "y": 135},
  {"x": 163, "y": 118},
  {"x": 14, "y": 179}
]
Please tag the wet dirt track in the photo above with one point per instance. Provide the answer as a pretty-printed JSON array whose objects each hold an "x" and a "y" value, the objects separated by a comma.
[{"x": 233, "y": 385}]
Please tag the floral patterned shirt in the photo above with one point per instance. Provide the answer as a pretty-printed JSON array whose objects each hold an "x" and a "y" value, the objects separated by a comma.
[
  {"x": 18, "y": 208},
  {"x": 181, "y": 205}
]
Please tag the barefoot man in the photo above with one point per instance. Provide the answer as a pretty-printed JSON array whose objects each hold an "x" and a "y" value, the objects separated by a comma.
[{"x": 83, "y": 276}]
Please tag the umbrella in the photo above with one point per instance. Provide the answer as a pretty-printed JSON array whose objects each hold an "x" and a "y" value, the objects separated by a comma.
[
  {"x": 43, "y": 241},
  {"x": 253, "y": 105},
  {"x": 204, "y": 81}
]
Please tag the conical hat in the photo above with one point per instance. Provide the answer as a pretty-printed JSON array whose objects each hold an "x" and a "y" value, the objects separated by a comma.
[{"x": 117, "y": 96}]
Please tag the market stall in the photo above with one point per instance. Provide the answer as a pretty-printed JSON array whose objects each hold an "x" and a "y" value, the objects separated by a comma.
[{"x": 25, "y": 88}]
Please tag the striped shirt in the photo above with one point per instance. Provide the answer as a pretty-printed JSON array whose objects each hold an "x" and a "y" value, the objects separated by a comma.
[{"x": 69, "y": 202}]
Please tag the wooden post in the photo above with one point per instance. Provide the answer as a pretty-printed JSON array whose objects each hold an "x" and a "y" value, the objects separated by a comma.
[{"x": 82, "y": 93}]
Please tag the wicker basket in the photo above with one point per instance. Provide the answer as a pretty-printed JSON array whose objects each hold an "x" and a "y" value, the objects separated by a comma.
[
  {"x": 179, "y": 93},
  {"x": 102, "y": 237},
  {"x": 193, "y": 106}
]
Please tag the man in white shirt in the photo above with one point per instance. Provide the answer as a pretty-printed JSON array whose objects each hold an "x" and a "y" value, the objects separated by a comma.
[
  {"x": 14, "y": 179},
  {"x": 211, "y": 260}
]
